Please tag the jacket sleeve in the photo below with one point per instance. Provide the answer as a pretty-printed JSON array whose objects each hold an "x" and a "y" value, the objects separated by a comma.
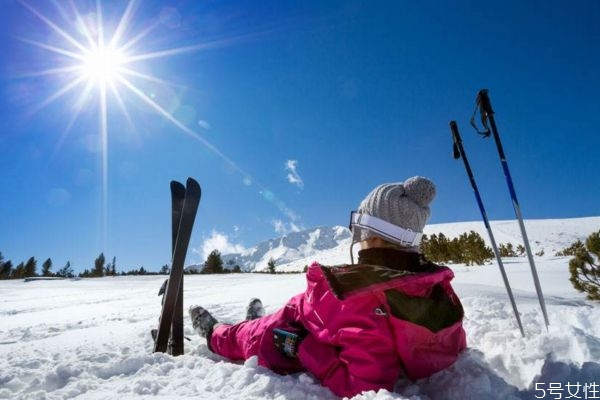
[{"x": 363, "y": 357}]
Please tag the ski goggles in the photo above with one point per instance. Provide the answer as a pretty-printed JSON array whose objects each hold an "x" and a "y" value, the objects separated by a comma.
[{"x": 391, "y": 232}]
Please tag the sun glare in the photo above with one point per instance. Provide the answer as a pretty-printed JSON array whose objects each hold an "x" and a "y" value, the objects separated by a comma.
[
  {"x": 108, "y": 60},
  {"x": 103, "y": 65}
]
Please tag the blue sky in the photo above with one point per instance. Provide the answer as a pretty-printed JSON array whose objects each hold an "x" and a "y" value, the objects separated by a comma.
[{"x": 288, "y": 114}]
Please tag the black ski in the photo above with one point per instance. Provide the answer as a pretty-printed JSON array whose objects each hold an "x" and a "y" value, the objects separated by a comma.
[
  {"x": 175, "y": 346},
  {"x": 171, "y": 317}
]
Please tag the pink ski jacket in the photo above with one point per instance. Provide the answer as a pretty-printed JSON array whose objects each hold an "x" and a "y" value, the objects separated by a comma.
[{"x": 364, "y": 325}]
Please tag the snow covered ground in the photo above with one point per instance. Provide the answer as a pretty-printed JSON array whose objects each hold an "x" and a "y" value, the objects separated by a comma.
[{"x": 89, "y": 339}]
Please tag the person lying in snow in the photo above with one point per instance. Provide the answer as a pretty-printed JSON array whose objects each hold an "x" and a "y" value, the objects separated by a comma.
[{"x": 362, "y": 326}]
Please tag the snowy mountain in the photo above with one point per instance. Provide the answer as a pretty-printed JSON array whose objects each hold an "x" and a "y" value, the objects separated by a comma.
[
  {"x": 330, "y": 245},
  {"x": 294, "y": 251}
]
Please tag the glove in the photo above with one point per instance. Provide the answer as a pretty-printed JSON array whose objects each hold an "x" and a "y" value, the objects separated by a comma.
[{"x": 286, "y": 342}]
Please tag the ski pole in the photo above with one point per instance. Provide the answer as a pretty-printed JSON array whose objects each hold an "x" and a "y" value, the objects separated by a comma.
[
  {"x": 487, "y": 114},
  {"x": 459, "y": 152}
]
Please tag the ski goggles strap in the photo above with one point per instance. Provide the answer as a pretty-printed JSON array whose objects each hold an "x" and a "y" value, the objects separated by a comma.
[{"x": 385, "y": 229}]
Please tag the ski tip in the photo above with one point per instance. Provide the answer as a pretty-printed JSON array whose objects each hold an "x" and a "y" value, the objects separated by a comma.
[
  {"x": 192, "y": 185},
  {"x": 177, "y": 187}
]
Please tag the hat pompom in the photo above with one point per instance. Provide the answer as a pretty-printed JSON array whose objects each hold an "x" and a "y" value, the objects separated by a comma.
[{"x": 420, "y": 190}]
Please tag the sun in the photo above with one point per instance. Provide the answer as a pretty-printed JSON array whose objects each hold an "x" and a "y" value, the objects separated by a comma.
[
  {"x": 103, "y": 65},
  {"x": 91, "y": 53}
]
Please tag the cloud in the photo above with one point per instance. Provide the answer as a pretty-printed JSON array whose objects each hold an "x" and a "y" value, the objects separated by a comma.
[
  {"x": 203, "y": 124},
  {"x": 279, "y": 226},
  {"x": 293, "y": 176},
  {"x": 221, "y": 242},
  {"x": 282, "y": 228}
]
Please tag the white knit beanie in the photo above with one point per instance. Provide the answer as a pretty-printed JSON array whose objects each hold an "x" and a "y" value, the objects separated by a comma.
[{"x": 403, "y": 204}]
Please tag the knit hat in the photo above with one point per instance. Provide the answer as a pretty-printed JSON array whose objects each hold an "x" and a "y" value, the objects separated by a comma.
[{"x": 405, "y": 205}]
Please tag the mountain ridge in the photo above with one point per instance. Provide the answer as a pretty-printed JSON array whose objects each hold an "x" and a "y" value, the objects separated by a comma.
[{"x": 331, "y": 245}]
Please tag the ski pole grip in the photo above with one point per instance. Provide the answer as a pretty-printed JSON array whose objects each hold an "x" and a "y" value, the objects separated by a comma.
[
  {"x": 454, "y": 129},
  {"x": 483, "y": 99}
]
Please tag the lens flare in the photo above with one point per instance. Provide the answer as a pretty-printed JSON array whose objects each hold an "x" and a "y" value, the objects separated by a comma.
[{"x": 103, "y": 67}]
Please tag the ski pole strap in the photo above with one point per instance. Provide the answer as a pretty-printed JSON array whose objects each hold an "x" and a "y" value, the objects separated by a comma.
[
  {"x": 383, "y": 228},
  {"x": 483, "y": 105}
]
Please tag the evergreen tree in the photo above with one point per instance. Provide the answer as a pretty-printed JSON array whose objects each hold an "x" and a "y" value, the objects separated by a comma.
[
  {"x": 520, "y": 250},
  {"x": 66, "y": 271},
  {"x": 19, "y": 271},
  {"x": 110, "y": 269},
  {"x": 585, "y": 268},
  {"x": 165, "y": 270},
  {"x": 468, "y": 248},
  {"x": 474, "y": 249},
  {"x": 30, "y": 268},
  {"x": 46, "y": 267},
  {"x": 506, "y": 250},
  {"x": 98, "y": 270},
  {"x": 456, "y": 252},
  {"x": 213, "y": 263},
  {"x": 424, "y": 246},
  {"x": 572, "y": 250},
  {"x": 271, "y": 266},
  {"x": 5, "y": 268}
]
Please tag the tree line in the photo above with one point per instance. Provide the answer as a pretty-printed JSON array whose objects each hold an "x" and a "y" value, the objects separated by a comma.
[
  {"x": 214, "y": 265},
  {"x": 29, "y": 269},
  {"x": 468, "y": 248}
]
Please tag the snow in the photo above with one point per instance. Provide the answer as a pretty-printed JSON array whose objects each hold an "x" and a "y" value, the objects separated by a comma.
[{"x": 89, "y": 338}]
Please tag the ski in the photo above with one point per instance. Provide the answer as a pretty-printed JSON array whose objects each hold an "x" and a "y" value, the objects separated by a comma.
[
  {"x": 459, "y": 152},
  {"x": 168, "y": 325},
  {"x": 484, "y": 106},
  {"x": 175, "y": 347}
]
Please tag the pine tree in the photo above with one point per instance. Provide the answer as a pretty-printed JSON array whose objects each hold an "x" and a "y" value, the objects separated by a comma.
[
  {"x": 5, "y": 268},
  {"x": 572, "y": 250},
  {"x": 474, "y": 249},
  {"x": 30, "y": 268},
  {"x": 506, "y": 250},
  {"x": 46, "y": 267},
  {"x": 271, "y": 266},
  {"x": 19, "y": 271},
  {"x": 213, "y": 263},
  {"x": 98, "y": 270},
  {"x": 585, "y": 268},
  {"x": 165, "y": 269},
  {"x": 66, "y": 271},
  {"x": 113, "y": 268}
]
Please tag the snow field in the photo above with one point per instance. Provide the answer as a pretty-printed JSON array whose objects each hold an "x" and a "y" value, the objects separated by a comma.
[{"x": 89, "y": 339}]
